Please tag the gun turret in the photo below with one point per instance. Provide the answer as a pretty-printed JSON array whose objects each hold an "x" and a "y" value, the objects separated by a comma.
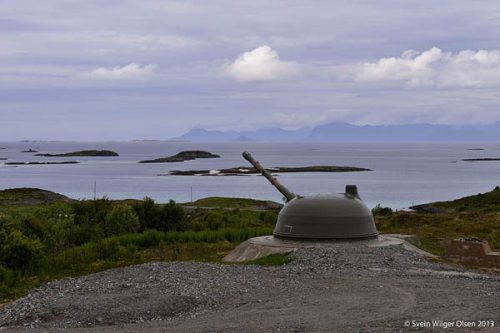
[{"x": 286, "y": 192}]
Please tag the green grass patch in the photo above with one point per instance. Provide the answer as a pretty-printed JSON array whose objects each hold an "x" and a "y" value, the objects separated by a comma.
[
  {"x": 243, "y": 203},
  {"x": 276, "y": 259},
  {"x": 482, "y": 202},
  {"x": 433, "y": 229}
]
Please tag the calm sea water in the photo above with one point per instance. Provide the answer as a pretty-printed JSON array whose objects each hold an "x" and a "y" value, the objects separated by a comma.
[{"x": 404, "y": 173}]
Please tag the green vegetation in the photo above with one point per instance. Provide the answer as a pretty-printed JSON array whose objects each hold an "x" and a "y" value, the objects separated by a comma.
[
  {"x": 271, "y": 260},
  {"x": 82, "y": 153},
  {"x": 432, "y": 229},
  {"x": 477, "y": 215},
  {"x": 183, "y": 156},
  {"x": 46, "y": 236},
  {"x": 243, "y": 203},
  {"x": 69, "y": 238},
  {"x": 379, "y": 210},
  {"x": 482, "y": 202},
  {"x": 29, "y": 196}
]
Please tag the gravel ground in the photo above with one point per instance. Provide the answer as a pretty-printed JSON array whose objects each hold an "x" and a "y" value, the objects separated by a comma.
[{"x": 342, "y": 288}]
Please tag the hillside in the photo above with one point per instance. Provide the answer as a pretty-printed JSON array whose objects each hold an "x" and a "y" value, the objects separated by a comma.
[{"x": 30, "y": 197}]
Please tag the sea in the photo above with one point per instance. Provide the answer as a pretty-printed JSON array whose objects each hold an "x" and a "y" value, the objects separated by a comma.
[{"x": 404, "y": 174}]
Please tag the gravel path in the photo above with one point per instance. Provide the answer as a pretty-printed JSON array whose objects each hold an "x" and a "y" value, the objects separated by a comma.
[{"x": 342, "y": 288}]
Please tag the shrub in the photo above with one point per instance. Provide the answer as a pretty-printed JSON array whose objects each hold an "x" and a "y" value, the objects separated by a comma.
[
  {"x": 172, "y": 217},
  {"x": 379, "y": 210},
  {"x": 31, "y": 226},
  {"x": 213, "y": 220},
  {"x": 121, "y": 220},
  {"x": 18, "y": 251},
  {"x": 148, "y": 212},
  {"x": 7, "y": 280},
  {"x": 91, "y": 211}
]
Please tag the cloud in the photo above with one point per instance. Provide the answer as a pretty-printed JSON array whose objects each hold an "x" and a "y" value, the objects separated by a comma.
[
  {"x": 129, "y": 72},
  {"x": 434, "y": 67},
  {"x": 261, "y": 64}
]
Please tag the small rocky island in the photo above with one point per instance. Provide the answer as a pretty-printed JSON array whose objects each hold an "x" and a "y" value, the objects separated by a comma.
[
  {"x": 29, "y": 151},
  {"x": 481, "y": 159},
  {"x": 242, "y": 171},
  {"x": 40, "y": 163},
  {"x": 183, "y": 156},
  {"x": 98, "y": 153}
]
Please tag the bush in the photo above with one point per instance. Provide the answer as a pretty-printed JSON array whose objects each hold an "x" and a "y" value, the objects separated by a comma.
[
  {"x": 7, "y": 280},
  {"x": 18, "y": 251},
  {"x": 379, "y": 210},
  {"x": 91, "y": 211},
  {"x": 172, "y": 217},
  {"x": 121, "y": 220},
  {"x": 213, "y": 220},
  {"x": 148, "y": 212}
]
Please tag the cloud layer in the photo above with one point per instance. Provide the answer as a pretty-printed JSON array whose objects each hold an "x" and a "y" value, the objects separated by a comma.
[
  {"x": 434, "y": 67},
  {"x": 58, "y": 58},
  {"x": 261, "y": 64},
  {"x": 129, "y": 72}
]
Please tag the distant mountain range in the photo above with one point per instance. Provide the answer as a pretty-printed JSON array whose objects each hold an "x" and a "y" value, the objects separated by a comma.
[{"x": 348, "y": 132}]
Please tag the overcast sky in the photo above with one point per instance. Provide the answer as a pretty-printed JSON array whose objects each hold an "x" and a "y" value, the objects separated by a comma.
[{"x": 122, "y": 69}]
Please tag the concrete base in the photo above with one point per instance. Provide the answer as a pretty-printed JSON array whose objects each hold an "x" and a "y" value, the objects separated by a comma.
[{"x": 263, "y": 246}]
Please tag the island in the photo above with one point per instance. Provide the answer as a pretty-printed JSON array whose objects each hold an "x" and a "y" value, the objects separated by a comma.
[
  {"x": 475, "y": 149},
  {"x": 40, "y": 163},
  {"x": 29, "y": 151},
  {"x": 3, "y": 158},
  {"x": 97, "y": 153},
  {"x": 481, "y": 159},
  {"x": 183, "y": 156},
  {"x": 242, "y": 171}
]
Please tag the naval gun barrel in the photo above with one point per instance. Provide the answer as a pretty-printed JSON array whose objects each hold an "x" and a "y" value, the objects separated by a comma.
[{"x": 287, "y": 193}]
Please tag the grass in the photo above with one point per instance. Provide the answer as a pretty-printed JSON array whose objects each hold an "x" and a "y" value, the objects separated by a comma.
[
  {"x": 482, "y": 202},
  {"x": 243, "y": 203},
  {"x": 276, "y": 259},
  {"x": 433, "y": 229},
  {"x": 19, "y": 197}
]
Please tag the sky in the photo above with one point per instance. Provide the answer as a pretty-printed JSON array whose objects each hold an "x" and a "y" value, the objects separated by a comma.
[{"x": 154, "y": 69}]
